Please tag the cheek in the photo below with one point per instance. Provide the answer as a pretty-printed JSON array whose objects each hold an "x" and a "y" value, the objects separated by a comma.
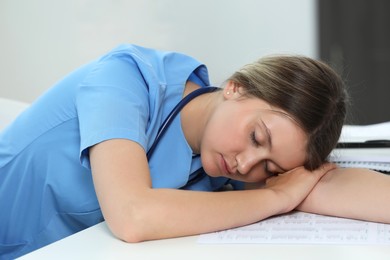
[
  {"x": 212, "y": 147},
  {"x": 222, "y": 140},
  {"x": 216, "y": 133},
  {"x": 210, "y": 166},
  {"x": 214, "y": 144}
]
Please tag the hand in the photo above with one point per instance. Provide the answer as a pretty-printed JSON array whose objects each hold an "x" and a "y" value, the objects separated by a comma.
[{"x": 294, "y": 186}]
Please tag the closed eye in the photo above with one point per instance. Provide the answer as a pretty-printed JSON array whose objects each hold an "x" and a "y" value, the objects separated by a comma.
[{"x": 253, "y": 139}]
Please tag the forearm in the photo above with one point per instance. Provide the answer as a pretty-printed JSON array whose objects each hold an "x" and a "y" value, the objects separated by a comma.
[
  {"x": 351, "y": 193},
  {"x": 136, "y": 212},
  {"x": 165, "y": 213}
]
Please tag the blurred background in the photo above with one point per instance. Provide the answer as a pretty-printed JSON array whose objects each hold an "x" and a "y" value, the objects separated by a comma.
[{"x": 43, "y": 40}]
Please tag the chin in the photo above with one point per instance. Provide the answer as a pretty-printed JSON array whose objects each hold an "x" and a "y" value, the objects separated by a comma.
[
  {"x": 211, "y": 172},
  {"x": 210, "y": 167}
]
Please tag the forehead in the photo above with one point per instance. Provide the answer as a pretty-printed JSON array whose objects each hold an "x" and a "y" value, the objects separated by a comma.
[{"x": 288, "y": 138}]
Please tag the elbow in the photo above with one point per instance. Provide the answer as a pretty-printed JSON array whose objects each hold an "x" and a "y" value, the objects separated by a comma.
[
  {"x": 130, "y": 227},
  {"x": 129, "y": 232},
  {"x": 130, "y": 237}
]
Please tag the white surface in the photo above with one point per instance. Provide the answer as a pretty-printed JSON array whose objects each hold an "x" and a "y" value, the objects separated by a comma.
[
  {"x": 42, "y": 40},
  {"x": 98, "y": 243},
  {"x": 9, "y": 109}
]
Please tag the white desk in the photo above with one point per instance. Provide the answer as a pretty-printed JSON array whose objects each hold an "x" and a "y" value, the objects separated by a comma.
[{"x": 97, "y": 242}]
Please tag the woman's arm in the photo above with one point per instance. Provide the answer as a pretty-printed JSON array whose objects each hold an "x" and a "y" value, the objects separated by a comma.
[
  {"x": 351, "y": 193},
  {"x": 136, "y": 212}
]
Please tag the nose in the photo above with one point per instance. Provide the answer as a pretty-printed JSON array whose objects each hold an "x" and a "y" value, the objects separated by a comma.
[{"x": 248, "y": 159}]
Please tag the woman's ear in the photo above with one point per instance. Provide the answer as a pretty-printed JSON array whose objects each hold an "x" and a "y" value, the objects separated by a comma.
[{"x": 232, "y": 90}]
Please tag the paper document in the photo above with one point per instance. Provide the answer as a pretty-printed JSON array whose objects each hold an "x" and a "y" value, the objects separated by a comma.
[
  {"x": 303, "y": 228},
  {"x": 372, "y": 158}
]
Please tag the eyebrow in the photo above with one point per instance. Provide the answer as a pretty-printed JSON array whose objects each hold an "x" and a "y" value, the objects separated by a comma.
[{"x": 269, "y": 141}]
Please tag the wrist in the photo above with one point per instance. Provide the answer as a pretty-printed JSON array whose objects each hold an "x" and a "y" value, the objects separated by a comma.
[{"x": 275, "y": 201}]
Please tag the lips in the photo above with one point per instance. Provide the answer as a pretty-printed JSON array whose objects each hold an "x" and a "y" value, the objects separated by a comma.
[{"x": 225, "y": 166}]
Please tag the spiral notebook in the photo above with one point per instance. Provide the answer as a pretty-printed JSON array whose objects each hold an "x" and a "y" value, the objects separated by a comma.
[{"x": 372, "y": 158}]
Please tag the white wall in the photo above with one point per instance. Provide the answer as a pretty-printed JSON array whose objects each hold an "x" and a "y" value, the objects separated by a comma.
[{"x": 42, "y": 40}]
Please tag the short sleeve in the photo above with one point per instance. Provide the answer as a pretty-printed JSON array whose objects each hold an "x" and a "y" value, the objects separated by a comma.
[{"x": 112, "y": 102}]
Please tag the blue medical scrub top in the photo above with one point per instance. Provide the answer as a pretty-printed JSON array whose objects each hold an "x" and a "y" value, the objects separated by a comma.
[{"x": 46, "y": 189}]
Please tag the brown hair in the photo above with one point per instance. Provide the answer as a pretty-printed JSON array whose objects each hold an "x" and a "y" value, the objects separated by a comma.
[{"x": 310, "y": 91}]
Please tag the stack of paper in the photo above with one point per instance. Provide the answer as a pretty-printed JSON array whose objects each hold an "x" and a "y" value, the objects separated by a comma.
[{"x": 372, "y": 158}]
